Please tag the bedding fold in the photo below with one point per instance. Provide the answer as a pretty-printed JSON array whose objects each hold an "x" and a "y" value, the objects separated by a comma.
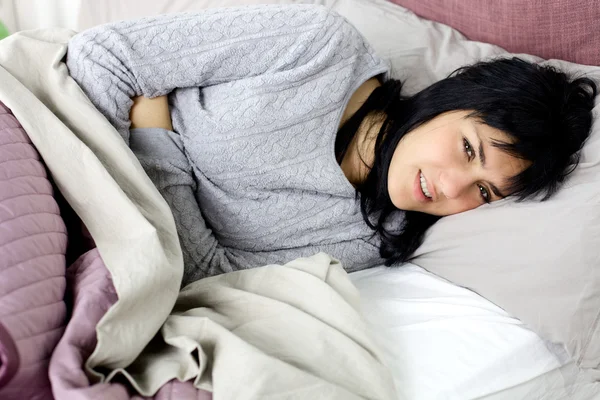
[
  {"x": 105, "y": 185},
  {"x": 268, "y": 331},
  {"x": 291, "y": 331}
]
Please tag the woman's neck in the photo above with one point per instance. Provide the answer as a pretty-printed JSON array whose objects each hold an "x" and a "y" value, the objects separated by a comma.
[
  {"x": 360, "y": 154},
  {"x": 359, "y": 97}
]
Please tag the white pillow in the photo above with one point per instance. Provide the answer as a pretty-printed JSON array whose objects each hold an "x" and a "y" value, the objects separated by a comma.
[
  {"x": 442, "y": 341},
  {"x": 538, "y": 261}
]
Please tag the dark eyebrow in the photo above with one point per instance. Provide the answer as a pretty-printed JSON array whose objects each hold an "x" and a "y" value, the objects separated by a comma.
[
  {"x": 481, "y": 153},
  {"x": 496, "y": 191}
]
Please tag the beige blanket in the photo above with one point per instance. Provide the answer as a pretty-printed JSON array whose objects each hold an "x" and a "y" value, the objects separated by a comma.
[{"x": 280, "y": 332}]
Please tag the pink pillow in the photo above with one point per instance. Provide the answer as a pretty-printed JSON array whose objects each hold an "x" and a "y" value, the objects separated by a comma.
[
  {"x": 562, "y": 29},
  {"x": 33, "y": 241}
]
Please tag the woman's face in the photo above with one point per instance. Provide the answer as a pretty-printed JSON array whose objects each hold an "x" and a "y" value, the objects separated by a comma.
[{"x": 449, "y": 165}]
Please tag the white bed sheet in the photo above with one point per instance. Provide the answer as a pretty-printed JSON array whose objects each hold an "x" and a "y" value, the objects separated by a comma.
[{"x": 446, "y": 342}]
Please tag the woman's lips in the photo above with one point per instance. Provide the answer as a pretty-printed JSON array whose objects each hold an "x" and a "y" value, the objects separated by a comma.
[{"x": 418, "y": 192}]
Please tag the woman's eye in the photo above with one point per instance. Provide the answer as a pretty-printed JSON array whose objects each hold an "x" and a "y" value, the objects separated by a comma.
[
  {"x": 468, "y": 149},
  {"x": 485, "y": 195}
]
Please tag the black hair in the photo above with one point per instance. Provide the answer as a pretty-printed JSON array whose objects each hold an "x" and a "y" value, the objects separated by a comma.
[{"x": 547, "y": 114}]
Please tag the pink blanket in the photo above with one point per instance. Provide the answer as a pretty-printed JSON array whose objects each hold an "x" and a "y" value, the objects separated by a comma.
[{"x": 92, "y": 293}]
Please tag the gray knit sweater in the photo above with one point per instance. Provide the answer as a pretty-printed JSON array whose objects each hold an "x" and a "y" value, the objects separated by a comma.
[{"x": 256, "y": 95}]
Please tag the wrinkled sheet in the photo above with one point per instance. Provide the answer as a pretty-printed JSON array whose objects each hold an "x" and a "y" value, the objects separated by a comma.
[
  {"x": 284, "y": 332},
  {"x": 292, "y": 331}
]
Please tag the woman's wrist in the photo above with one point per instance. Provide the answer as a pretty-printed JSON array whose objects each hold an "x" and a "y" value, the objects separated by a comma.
[{"x": 150, "y": 113}]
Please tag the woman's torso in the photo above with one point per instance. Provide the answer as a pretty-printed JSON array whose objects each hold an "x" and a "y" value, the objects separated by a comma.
[{"x": 263, "y": 157}]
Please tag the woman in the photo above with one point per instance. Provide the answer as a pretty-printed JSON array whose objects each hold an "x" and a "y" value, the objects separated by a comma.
[{"x": 283, "y": 134}]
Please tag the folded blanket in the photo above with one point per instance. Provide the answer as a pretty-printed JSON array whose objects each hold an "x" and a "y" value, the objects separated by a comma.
[
  {"x": 274, "y": 330},
  {"x": 92, "y": 293},
  {"x": 285, "y": 332}
]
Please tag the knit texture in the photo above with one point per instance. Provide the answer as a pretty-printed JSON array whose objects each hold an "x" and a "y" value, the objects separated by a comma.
[{"x": 256, "y": 95}]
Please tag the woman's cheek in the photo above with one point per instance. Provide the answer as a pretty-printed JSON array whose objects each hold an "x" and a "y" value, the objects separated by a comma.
[
  {"x": 471, "y": 204},
  {"x": 462, "y": 205}
]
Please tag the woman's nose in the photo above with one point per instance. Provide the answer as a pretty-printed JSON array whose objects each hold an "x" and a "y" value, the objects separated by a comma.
[{"x": 453, "y": 183}]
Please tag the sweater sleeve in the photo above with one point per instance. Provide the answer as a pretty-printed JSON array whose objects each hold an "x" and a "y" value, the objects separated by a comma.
[
  {"x": 153, "y": 56},
  {"x": 161, "y": 155}
]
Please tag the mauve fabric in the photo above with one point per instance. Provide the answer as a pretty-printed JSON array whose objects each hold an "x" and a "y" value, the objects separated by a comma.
[
  {"x": 33, "y": 242},
  {"x": 9, "y": 357},
  {"x": 92, "y": 292},
  {"x": 565, "y": 30}
]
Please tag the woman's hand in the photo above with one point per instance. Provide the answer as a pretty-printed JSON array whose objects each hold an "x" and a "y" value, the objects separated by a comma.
[{"x": 150, "y": 113}]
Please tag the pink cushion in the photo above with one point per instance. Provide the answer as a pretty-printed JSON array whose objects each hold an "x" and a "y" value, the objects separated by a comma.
[
  {"x": 33, "y": 242},
  {"x": 562, "y": 29}
]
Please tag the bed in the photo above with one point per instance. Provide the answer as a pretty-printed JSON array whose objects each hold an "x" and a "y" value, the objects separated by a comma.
[{"x": 427, "y": 337}]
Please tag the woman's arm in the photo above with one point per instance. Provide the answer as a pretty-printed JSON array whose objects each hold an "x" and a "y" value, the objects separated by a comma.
[
  {"x": 161, "y": 154},
  {"x": 150, "y": 113},
  {"x": 151, "y": 57}
]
